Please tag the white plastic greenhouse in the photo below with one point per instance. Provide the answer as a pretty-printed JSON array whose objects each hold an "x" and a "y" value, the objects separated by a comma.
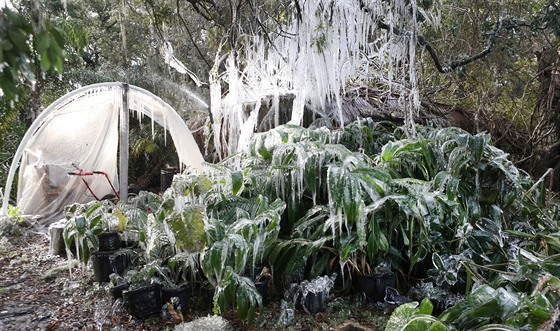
[{"x": 85, "y": 130}]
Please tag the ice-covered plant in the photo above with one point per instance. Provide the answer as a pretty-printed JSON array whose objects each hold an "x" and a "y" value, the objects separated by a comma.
[
  {"x": 143, "y": 275},
  {"x": 81, "y": 230},
  {"x": 485, "y": 308},
  {"x": 240, "y": 233},
  {"x": 185, "y": 227},
  {"x": 179, "y": 270}
]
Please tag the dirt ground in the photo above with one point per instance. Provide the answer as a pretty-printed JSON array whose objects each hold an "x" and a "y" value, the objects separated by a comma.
[{"x": 37, "y": 292}]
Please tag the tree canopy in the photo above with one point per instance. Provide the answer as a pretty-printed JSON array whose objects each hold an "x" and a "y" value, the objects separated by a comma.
[{"x": 493, "y": 63}]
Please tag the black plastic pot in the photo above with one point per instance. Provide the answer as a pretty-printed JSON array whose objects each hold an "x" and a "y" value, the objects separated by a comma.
[
  {"x": 373, "y": 286},
  {"x": 119, "y": 262},
  {"x": 420, "y": 269},
  {"x": 109, "y": 241},
  {"x": 117, "y": 291},
  {"x": 102, "y": 267},
  {"x": 181, "y": 293},
  {"x": 315, "y": 302},
  {"x": 201, "y": 296},
  {"x": 283, "y": 281},
  {"x": 106, "y": 262},
  {"x": 262, "y": 287},
  {"x": 143, "y": 302},
  {"x": 167, "y": 178}
]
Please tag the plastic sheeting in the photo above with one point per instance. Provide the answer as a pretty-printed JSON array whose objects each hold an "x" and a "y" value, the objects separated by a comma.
[{"x": 80, "y": 131}]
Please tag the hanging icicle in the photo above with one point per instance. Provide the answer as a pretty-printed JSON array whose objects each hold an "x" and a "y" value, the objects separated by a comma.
[{"x": 323, "y": 49}]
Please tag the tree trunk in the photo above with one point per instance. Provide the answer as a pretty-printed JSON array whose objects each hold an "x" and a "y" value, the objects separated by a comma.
[{"x": 546, "y": 120}]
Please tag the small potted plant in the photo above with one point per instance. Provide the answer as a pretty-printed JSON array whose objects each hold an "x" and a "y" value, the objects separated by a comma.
[
  {"x": 370, "y": 263},
  {"x": 176, "y": 277},
  {"x": 80, "y": 234},
  {"x": 109, "y": 257},
  {"x": 312, "y": 295},
  {"x": 112, "y": 222},
  {"x": 117, "y": 284},
  {"x": 143, "y": 296},
  {"x": 373, "y": 282}
]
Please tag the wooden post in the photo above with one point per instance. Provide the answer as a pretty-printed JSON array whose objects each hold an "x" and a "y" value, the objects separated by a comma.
[{"x": 123, "y": 145}]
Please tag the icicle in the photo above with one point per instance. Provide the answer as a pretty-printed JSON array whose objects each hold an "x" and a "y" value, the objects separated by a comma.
[
  {"x": 328, "y": 47},
  {"x": 173, "y": 62},
  {"x": 216, "y": 106}
]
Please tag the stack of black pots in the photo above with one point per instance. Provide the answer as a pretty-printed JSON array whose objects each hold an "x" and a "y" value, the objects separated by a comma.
[{"x": 105, "y": 261}]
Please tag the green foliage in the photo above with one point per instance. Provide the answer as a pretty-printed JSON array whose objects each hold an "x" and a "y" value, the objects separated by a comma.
[
  {"x": 485, "y": 308},
  {"x": 413, "y": 317},
  {"x": 15, "y": 52},
  {"x": 242, "y": 240},
  {"x": 179, "y": 270},
  {"x": 143, "y": 275},
  {"x": 302, "y": 201},
  {"x": 81, "y": 231},
  {"x": 19, "y": 45},
  {"x": 15, "y": 213},
  {"x": 185, "y": 228}
]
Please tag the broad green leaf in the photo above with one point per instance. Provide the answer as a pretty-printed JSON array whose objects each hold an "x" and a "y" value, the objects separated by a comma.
[
  {"x": 497, "y": 327},
  {"x": 59, "y": 63},
  {"x": 95, "y": 222},
  {"x": 237, "y": 182},
  {"x": 476, "y": 145},
  {"x": 426, "y": 307},
  {"x": 264, "y": 152},
  {"x": 400, "y": 316},
  {"x": 18, "y": 38},
  {"x": 45, "y": 61},
  {"x": 7, "y": 45},
  {"x": 43, "y": 42},
  {"x": 58, "y": 36},
  {"x": 80, "y": 224},
  {"x": 122, "y": 220}
]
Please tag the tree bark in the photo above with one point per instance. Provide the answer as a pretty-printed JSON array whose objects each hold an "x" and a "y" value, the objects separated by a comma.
[{"x": 547, "y": 117}]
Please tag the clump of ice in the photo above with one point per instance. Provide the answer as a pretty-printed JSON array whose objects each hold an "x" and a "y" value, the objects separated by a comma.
[
  {"x": 208, "y": 323},
  {"x": 286, "y": 317},
  {"x": 318, "y": 285}
]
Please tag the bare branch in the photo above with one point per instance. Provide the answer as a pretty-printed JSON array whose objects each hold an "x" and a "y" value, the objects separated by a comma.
[
  {"x": 190, "y": 35},
  {"x": 454, "y": 64}
]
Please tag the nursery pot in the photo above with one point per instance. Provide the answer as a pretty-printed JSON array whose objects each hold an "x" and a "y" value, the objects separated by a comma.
[
  {"x": 200, "y": 296},
  {"x": 315, "y": 302},
  {"x": 167, "y": 178},
  {"x": 117, "y": 291},
  {"x": 181, "y": 293},
  {"x": 373, "y": 286},
  {"x": 56, "y": 238},
  {"x": 102, "y": 267},
  {"x": 106, "y": 262},
  {"x": 262, "y": 287},
  {"x": 143, "y": 302},
  {"x": 109, "y": 241},
  {"x": 119, "y": 262}
]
